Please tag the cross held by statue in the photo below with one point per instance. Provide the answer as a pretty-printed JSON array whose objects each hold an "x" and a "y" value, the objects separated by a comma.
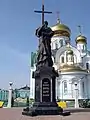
[{"x": 42, "y": 12}]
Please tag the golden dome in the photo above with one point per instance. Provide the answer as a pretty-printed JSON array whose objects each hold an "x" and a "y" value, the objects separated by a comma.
[
  {"x": 81, "y": 39},
  {"x": 70, "y": 68},
  {"x": 61, "y": 29},
  {"x": 70, "y": 52},
  {"x": 68, "y": 49}
]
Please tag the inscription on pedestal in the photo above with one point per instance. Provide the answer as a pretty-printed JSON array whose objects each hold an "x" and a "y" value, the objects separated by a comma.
[{"x": 46, "y": 90}]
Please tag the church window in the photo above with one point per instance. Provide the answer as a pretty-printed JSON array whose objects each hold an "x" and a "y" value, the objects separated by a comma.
[
  {"x": 61, "y": 42},
  {"x": 72, "y": 58},
  {"x": 83, "y": 86},
  {"x": 68, "y": 58},
  {"x": 87, "y": 66},
  {"x": 62, "y": 59},
  {"x": 56, "y": 45},
  {"x": 33, "y": 75},
  {"x": 83, "y": 47},
  {"x": 65, "y": 87}
]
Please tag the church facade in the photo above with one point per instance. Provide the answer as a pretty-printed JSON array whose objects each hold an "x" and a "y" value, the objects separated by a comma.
[{"x": 71, "y": 62}]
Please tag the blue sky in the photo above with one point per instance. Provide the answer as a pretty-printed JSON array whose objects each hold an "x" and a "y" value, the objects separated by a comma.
[{"x": 17, "y": 27}]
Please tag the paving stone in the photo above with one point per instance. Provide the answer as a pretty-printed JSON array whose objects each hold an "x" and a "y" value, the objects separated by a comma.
[{"x": 16, "y": 114}]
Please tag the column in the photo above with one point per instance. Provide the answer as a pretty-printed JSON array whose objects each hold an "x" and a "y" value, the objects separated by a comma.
[
  {"x": 32, "y": 84},
  {"x": 62, "y": 90},
  {"x": 10, "y": 95}
]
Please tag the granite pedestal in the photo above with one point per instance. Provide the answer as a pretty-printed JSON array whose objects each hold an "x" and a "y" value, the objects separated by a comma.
[{"x": 45, "y": 98}]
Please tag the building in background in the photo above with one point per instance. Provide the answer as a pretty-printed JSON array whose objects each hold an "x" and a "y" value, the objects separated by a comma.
[{"x": 72, "y": 63}]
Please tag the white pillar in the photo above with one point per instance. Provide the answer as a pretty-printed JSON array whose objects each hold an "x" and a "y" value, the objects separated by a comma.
[
  {"x": 10, "y": 95},
  {"x": 32, "y": 84},
  {"x": 62, "y": 90},
  {"x": 76, "y": 96},
  {"x": 56, "y": 88},
  {"x": 80, "y": 90}
]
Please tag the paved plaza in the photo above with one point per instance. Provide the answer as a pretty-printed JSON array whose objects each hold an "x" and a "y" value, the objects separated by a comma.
[{"x": 15, "y": 114}]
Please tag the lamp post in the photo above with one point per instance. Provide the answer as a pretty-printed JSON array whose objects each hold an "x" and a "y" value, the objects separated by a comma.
[
  {"x": 76, "y": 95},
  {"x": 75, "y": 82},
  {"x": 10, "y": 95}
]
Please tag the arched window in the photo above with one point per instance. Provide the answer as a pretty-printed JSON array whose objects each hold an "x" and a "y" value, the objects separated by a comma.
[
  {"x": 87, "y": 66},
  {"x": 56, "y": 45},
  {"x": 83, "y": 47},
  {"x": 68, "y": 58},
  {"x": 62, "y": 59},
  {"x": 33, "y": 74},
  {"x": 83, "y": 86},
  {"x": 65, "y": 87},
  {"x": 61, "y": 42}
]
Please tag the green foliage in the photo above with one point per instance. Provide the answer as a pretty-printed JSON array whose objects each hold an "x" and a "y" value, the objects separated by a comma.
[
  {"x": 58, "y": 100},
  {"x": 84, "y": 103},
  {"x": 27, "y": 102},
  {"x": 31, "y": 100}
]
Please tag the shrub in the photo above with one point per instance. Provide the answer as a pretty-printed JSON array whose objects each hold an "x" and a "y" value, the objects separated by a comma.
[{"x": 84, "y": 103}]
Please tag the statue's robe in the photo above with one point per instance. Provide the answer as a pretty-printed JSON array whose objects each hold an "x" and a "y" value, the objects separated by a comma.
[{"x": 44, "y": 53}]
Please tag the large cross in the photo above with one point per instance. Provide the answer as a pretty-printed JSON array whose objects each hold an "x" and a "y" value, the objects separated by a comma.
[{"x": 43, "y": 12}]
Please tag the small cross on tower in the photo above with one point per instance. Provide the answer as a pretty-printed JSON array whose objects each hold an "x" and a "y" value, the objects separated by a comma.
[
  {"x": 79, "y": 28},
  {"x": 58, "y": 18}
]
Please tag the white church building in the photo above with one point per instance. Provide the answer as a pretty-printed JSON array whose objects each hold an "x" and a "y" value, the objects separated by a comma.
[{"x": 71, "y": 62}]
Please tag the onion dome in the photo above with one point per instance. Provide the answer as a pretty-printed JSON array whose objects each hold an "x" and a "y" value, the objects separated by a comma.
[
  {"x": 61, "y": 29},
  {"x": 69, "y": 52},
  {"x": 81, "y": 39}
]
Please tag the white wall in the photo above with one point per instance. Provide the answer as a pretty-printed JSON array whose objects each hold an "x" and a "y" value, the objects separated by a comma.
[
  {"x": 71, "y": 86},
  {"x": 57, "y": 40},
  {"x": 88, "y": 85}
]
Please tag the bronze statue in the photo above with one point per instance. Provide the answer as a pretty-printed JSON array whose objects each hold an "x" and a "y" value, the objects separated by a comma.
[{"x": 44, "y": 33}]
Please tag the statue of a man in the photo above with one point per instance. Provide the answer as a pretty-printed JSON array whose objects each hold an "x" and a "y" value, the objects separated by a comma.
[{"x": 44, "y": 33}]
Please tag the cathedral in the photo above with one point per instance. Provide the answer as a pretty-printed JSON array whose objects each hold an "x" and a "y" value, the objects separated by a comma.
[{"x": 71, "y": 62}]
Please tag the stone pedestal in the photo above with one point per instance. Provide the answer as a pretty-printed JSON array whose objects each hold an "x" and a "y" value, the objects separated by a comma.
[
  {"x": 10, "y": 95},
  {"x": 45, "y": 101}
]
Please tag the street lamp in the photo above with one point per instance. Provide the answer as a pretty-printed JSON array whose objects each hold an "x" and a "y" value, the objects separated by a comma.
[
  {"x": 76, "y": 95},
  {"x": 10, "y": 95},
  {"x": 76, "y": 81}
]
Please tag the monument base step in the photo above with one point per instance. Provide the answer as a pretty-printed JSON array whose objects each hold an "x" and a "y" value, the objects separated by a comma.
[{"x": 44, "y": 109}]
